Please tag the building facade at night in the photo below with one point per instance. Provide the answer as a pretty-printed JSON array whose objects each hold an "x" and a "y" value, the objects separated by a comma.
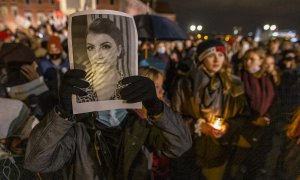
[{"x": 36, "y": 12}]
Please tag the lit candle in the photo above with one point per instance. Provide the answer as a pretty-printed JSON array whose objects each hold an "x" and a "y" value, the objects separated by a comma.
[{"x": 218, "y": 123}]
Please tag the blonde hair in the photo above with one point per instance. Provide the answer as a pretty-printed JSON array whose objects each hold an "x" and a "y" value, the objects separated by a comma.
[
  {"x": 150, "y": 72},
  {"x": 261, "y": 54},
  {"x": 225, "y": 74},
  {"x": 276, "y": 74}
]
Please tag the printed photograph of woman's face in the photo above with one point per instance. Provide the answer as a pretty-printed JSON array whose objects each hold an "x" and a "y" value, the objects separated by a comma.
[
  {"x": 104, "y": 56},
  {"x": 104, "y": 47}
]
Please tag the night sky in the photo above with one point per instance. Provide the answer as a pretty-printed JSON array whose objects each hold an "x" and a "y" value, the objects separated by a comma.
[{"x": 221, "y": 15}]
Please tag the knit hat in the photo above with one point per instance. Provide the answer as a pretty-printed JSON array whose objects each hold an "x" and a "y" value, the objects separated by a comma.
[
  {"x": 54, "y": 43},
  {"x": 16, "y": 54},
  {"x": 209, "y": 47}
]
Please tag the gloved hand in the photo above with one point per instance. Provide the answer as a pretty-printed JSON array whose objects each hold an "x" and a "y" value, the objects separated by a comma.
[
  {"x": 139, "y": 88},
  {"x": 71, "y": 84}
]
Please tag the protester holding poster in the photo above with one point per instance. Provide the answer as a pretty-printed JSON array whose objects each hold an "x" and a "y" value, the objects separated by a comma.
[
  {"x": 111, "y": 141},
  {"x": 105, "y": 46}
]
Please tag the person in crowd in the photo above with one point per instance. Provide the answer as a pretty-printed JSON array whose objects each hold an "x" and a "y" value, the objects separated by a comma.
[
  {"x": 16, "y": 124},
  {"x": 111, "y": 144},
  {"x": 274, "y": 49},
  {"x": 273, "y": 70},
  {"x": 53, "y": 65},
  {"x": 289, "y": 78},
  {"x": 209, "y": 94},
  {"x": 161, "y": 52},
  {"x": 287, "y": 45},
  {"x": 290, "y": 160},
  {"x": 19, "y": 67},
  {"x": 288, "y": 61},
  {"x": 97, "y": 147},
  {"x": 161, "y": 57},
  {"x": 236, "y": 59},
  {"x": 260, "y": 94},
  {"x": 18, "y": 116},
  {"x": 160, "y": 163}
]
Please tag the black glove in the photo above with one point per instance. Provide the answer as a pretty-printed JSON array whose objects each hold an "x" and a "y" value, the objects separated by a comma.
[
  {"x": 71, "y": 84},
  {"x": 139, "y": 88}
]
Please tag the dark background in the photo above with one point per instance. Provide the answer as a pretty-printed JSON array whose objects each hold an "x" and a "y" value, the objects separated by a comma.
[{"x": 222, "y": 15}]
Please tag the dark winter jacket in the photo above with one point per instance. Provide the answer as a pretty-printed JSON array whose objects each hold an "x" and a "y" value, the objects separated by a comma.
[
  {"x": 191, "y": 99},
  {"x": 87, "y": 150}
]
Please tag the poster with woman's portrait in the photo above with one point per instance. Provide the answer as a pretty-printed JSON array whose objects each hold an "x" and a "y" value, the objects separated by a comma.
[{"x": 104, "y": 44}]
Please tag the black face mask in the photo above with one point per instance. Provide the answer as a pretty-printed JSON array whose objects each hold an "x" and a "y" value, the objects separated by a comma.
[{"x": 55, "y": 56}]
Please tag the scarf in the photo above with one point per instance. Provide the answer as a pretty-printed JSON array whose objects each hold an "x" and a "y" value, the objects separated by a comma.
[
  {"x": 208, "y": 93},
  {"x": 260, "y": 92}
]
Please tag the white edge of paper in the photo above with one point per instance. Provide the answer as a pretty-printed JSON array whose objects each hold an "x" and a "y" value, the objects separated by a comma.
[{"x": 94, "y": 106}]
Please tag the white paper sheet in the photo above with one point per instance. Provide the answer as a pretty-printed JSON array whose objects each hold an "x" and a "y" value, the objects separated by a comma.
[{"x": 104, "y": 44}]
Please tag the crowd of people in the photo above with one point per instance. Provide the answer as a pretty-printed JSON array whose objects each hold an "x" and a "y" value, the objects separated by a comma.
[{"x": 212, "y": 109}]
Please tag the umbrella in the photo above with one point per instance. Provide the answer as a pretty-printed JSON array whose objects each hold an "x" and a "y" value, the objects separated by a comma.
[{"x": 153, "y": 27}]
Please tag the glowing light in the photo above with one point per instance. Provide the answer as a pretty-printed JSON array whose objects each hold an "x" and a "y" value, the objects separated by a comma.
[
  {"x": 273, "y": 27},
  {"x": 294, "y": 39},
  {"x": 218, "y": 123},
  {"x": 235, "y": 31},
  {"x": 275, "y": 34},
  {"x": 199, "y": 27},
  {"x": 266, "y": 27},
  {"x": 205, "y": 37},
  {"x": 192, "y": 27},
  {"x": 227, "y": 37},
  {"x": 199, "y": 36}
]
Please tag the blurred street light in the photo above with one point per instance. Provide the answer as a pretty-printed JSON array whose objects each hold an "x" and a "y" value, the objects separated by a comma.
[
  {"x": 192, "y": 27},
  {"x": 273, "y": 27},
  {"x": 235, "y": 32},
  {"x": 205, "y": 37},
  {"x": 275, "y": 34},
  {"x": 199, "y": 27},
  {"x": 199, "y": 36},
  {"x": 227, "y": 38},
  {"x": 266, "y": 27}
]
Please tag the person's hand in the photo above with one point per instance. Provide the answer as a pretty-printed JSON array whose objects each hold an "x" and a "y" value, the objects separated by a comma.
[
  {"x": 29, "y": 71},
  {"x": 262, "y": 121},
  {"x": 72, "y": 83},
  {"x": 216, "y": 133},
  {"x": 206, "y": 129},
  {"x": 139, "y": 88}
]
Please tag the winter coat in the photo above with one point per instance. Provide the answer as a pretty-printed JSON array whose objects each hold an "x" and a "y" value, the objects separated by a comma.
[
  {"x": 82, "y": 151},
  {"x": 290, "y": 162},
  {"x": 190, "y": 102}
]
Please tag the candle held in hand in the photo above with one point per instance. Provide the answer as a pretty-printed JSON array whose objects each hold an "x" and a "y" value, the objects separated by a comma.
[{"x": 218, "y": 123}]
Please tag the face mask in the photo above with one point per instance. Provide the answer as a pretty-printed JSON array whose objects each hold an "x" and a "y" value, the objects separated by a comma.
[
  {"x": 54, "y": 56},
  {"x": 161, "y": 50},
  {"x": 111, "y": 118},
  {"x": 254, "y": 69}
]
